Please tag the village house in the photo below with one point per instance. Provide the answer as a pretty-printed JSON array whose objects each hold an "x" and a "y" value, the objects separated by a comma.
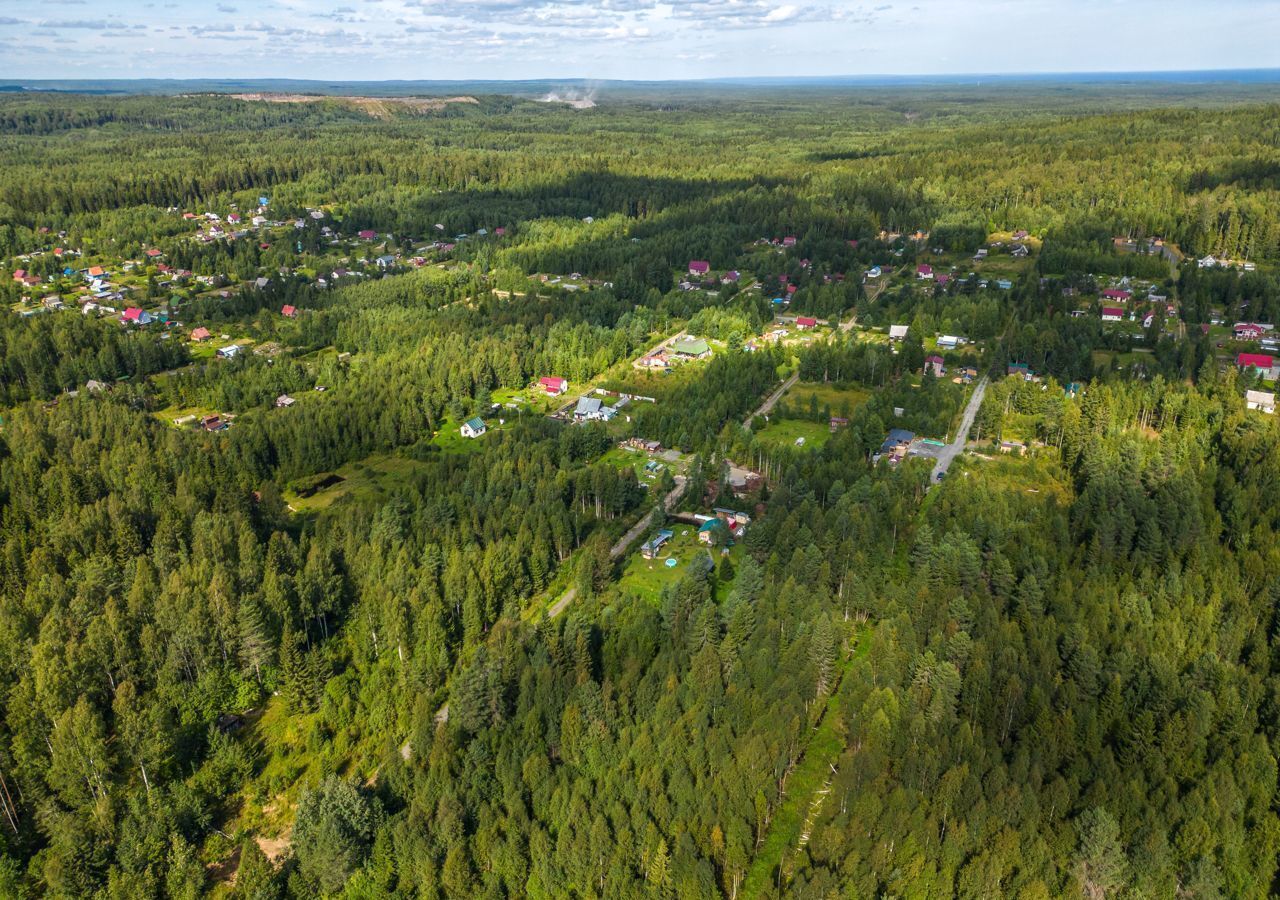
[
  {"x": 650, "y": 548},
  {"x": 951, "y": 341},
  {"x": 805, "y": 323},
  {"x": 1117, "y": 295},
  {"x": 289, "y": 312},
  {"x": 935, "y": 365},
  {"x": 136, "y": 316},
  {"x": 1260, "y": 400},
  {"x": 924, "y": 272},
  {"x": 898, "y": 332},
  {"x": 213, "y": 423},
  {"x": 699, "y": 267},
  {"x": 553, "y": 385},
  {"x": 1019, "y": 370},
  {"x": 1019, "y": 251},
  {"x": 284, "y": 401},
  {"x": 386, "y": 261},
  {"x": 366, "y": 234},
  {"x": 1112, "y": 314},
  {"x": 1246, "y": 331},
  {"x": 895, "y": 445},
  {"x": 691, "y": 348},
  {"x": 231, "y": 351},
  {"x": 473, "y": 427},
  {"x": 1261, "y": 363}
]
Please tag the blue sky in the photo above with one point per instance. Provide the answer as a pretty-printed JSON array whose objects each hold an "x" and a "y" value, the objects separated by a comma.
[{"x": 632, "y": 39}]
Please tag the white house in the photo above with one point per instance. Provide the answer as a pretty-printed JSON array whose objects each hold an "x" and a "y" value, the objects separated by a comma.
[
  {"x": 1261, "y": 400},
  {"x": 473, "y": 428},
  {"x": 229, "y": 352}
]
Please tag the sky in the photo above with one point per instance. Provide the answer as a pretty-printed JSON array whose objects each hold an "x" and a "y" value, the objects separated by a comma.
[{"x": 625, "y": 39}]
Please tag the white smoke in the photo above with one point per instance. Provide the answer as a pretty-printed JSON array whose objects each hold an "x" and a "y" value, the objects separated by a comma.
[{"x": 575, "y": 97}]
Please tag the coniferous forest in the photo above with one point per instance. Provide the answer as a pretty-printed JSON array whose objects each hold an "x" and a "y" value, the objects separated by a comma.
[{"x": 276, "y": 624}]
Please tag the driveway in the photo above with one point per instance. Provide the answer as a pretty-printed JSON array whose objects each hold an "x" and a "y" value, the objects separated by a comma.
[
  {"x": 769, "y": 404},
  {"x": 948, "y": 453}
]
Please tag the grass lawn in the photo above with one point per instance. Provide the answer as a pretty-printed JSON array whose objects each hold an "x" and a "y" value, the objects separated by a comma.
[
  {"x": 1020, "y": 427},
  {"x": 169, "y": 413},
  {"x": 647, "y": 577},
  {"x": 372, "y": 478},
  {"x": 449, "y": 437},
  {"x": 785, "y": 433}
]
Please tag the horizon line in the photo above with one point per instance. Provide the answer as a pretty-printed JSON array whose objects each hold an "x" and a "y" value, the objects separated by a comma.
[{"x": 1109, "y": 73}]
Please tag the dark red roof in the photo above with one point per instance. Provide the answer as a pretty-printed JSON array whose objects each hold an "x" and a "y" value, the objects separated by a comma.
[
  {"x": 1256, "y": 360},
  {"x": 806, "y": 322},
  {"x": 1112, "y": 311},
  {"x": 288, "y": 310}
]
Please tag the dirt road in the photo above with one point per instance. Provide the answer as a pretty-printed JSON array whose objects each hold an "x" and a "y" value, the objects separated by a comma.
[
  {"x": 625, "y": 541},
  {"x": 769, "y": 404}
]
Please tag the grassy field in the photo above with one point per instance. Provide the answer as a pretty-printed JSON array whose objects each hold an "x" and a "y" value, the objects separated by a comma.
[
  {"x": 785, "y": 433},
  {"x": 645, "y": 578},
  {"x": 169, "y": 413},
  {"x": 449, "y": 438},
  {"x": 841, "y": 399},
  {"x": 373, "y": 478}
]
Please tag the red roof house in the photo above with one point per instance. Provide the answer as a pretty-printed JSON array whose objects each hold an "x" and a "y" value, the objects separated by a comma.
[
  {"x": 1112, "y": 314},
  {"x": 1260, "y": 361},
  {"x": 1116, "y": 294},
  {"x": 924, "y": 270},
  {"x": 367, "y": 235},
  {"x": 133, "y": 314},
  {"x": 289, "y": 312},
  {"x": 553, "y": 384},
  {"x": 19, "y": 274},
  {"x": 499, "y": 231},
  {"x": 200, "y": 334},
  {"x": 1247, "y": 331},
  {"x": 699, "y": 267},
  {"x": 153, "y": 253},
  {"x": 788, "y": 241},
  {"x": 806, "y": 322}
]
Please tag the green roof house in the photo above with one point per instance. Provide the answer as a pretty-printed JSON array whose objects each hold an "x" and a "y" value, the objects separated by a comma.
[{"x": 691, "y": 349}]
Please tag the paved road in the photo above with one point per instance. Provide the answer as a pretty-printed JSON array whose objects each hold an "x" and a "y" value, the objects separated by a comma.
[
  {"x": 625, "y": 541},
  {"x": 956, "y": 447},
  {"x": 768, "y": 405}
]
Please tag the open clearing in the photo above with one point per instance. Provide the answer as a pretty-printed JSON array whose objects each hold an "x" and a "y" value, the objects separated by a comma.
[{"x": 374, "y": 107}]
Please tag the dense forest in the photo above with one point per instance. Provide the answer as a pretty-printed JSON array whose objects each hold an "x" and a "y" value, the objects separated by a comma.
[{"x": 335, "y": 650}]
